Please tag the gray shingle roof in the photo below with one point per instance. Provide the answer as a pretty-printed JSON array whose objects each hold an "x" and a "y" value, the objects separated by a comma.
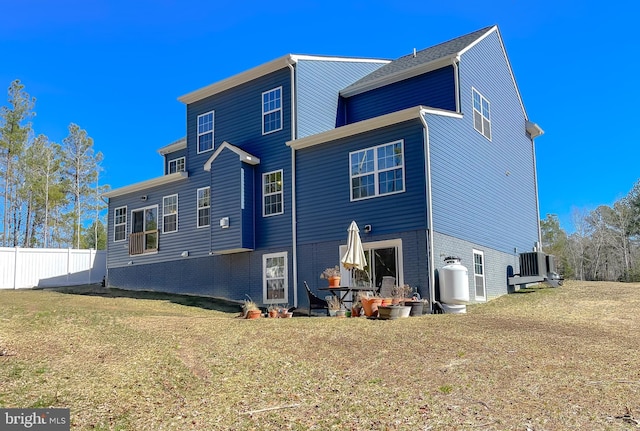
[{"x": 424, "y": 56}]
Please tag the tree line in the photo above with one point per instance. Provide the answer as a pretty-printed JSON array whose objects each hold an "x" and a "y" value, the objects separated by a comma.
[
  {"x": 605, "y": 244},
  {"x": 49, "y": 192}
]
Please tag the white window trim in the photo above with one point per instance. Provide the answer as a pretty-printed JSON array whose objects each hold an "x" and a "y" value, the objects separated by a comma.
[
  {"x": 126, "y": 215},
  {"x": 345, "y": 274},
  {"x": 198, "y": 208},
  {"x": 376, "y": 171},
  {"x": 184, "y": 164},
  {"x": 165, "y": 215},
  {"x": 158, "y": 230},
  {"x": 213, "y": 129},
  {"x": 264, "y": 113},
  {"x": 484, "y": 279},
  {"x": 284, "y": 300},
  {"x": 474, "y": 110},
  {"x": 264, "y": 195}
]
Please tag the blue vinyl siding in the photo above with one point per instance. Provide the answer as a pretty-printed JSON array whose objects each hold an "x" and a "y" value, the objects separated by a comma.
[
  {"x": 318, "y": 83},
  {"x": 249, "y": 211},
  {"x": 226, "y": 201},
  {"x": 434, "y": 89},
  {"x": 170, "y": 245},
  {"x": 474, "y": 198},
  {"x": 238, "y": 120},
  {"x": 324, "y": 206}
]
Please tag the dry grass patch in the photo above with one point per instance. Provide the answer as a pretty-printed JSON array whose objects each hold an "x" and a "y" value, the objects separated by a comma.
[{"x": 543, "y": 359}]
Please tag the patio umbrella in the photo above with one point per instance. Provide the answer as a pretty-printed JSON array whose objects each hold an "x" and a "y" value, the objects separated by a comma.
[{"x": 354, "y": 258}]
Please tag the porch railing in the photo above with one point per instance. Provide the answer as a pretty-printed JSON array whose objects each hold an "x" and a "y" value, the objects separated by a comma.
[{"x": 143, "y": 242}]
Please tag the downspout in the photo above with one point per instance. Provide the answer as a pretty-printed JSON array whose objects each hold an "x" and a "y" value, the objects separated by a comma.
[
  {"x": 294, "y": 232},
  {"x": 535, "y": 186},
  {"x": 456, "y": 82},
  {"x": 427, "y": 167}
]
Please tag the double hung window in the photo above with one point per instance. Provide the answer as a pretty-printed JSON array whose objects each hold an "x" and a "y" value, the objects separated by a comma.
[
  {"x": 204, "y": 207},
  {"x": 377, "y": 171},
  {"x": 272, "y": 110},
  {"x": 170, "y": 214},
  {"x": 205, "y": 132},
  {"x": 272, "y": 193},
  {"x": 120, "y": 224}
]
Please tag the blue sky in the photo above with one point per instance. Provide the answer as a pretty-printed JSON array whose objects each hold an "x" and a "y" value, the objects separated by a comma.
[{"x": 116, "y": 68}]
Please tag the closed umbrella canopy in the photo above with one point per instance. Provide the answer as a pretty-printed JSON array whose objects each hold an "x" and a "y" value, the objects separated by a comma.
[{"x": 354, "y": 257}]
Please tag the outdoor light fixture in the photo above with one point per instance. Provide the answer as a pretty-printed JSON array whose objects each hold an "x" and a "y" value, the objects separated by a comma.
[
  {"x": 367, "y": 228},
  {"x": 143, "y": 198},
  {"x": 185, "y": 253}
]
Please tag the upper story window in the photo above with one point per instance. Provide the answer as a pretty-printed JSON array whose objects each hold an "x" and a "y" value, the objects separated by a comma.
[
  {"x": 272, "y": 110},
  {"x": 120, "y": 224},
  {"x": 204, "y": 207},
  {"x": 481, "y": 114},
  {"x": 176, "y": 165},
  {"x": 272, "y": 193},
  {"x": 205, "y": 132},
  {"x": 377, "y": 171},
  {"x": 170, "y": 214}
]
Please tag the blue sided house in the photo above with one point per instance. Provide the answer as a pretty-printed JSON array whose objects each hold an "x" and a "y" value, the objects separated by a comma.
[{"x": 432, "y": 154}]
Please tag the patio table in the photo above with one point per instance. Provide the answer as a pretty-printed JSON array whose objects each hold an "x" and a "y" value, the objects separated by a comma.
[{"x": 341, "y": 292}]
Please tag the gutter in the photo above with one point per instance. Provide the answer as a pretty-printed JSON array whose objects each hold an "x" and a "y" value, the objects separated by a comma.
[
  {"x": 427, "y": 166},
  {"x": 294, "y": 221}
]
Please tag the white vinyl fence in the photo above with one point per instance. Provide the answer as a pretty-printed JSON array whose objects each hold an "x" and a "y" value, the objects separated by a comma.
[{"x": 50, "y": 267}]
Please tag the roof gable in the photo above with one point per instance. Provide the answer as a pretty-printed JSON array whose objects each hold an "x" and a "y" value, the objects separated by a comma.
[
  {"x": 417, "y": 63},
  {"x": 243, "y": 155}
]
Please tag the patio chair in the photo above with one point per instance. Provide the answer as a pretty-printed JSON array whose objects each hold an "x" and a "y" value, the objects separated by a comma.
[
  {"x": 386, "y": 288},
  {"x": 314, "y": 301}
]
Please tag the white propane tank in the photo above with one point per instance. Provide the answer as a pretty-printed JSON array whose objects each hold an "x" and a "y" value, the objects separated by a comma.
[{"x": 454, "y": 282}]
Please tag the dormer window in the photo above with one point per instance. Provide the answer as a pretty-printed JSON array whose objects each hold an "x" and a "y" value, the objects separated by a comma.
[
  {"x": 272, "y": 111},
  {"x": 205, "y": 132},
  {"x": 481, "y": 114},
  {"x": 176, "y": 165}
]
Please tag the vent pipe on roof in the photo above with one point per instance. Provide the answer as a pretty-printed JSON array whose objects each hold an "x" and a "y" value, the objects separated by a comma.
[{"x": 414, "y": 53}]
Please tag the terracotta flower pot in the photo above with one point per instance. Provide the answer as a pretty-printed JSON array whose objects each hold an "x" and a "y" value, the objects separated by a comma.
[
  {"x": 370, "y": 306},
  {"x": 253, "y": 314},
  {"x": 334, "y": 281}
]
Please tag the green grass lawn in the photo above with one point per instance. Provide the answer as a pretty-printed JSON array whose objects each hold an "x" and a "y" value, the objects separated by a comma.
[{"x": 542, "y": 359}]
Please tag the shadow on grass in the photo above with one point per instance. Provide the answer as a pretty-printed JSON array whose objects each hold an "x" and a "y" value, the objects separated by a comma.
[{"x": 207, "y": 303}]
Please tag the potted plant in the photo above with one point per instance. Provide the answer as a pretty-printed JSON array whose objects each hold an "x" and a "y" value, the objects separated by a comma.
[
  {"x": 273, "y": 311},
  {"x": 356, "y": 307},
  {"x": 332, "y": 275},
  {"x": 333, "y": 303},
  {"x": 416, "y": 304},
  {"x": 398, "y": 308},
  {"x": 284, "y": 312},
  {"x": 250, "y": 309},
  {"x": 370, "y": 304}
]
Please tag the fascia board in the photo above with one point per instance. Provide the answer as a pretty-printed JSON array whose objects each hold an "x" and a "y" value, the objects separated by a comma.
[
  {"x": 174, "y": 146},
  {"x": 262, "y": 70},
  {"x": 145, "y": 185},
  {"x": 238, "y": 79},
  {"x": 400, "y": 76},
  {"x": 298, "y": 57},
  {"x": 506, "y": 58},
  {"x": 368, "y": 125},
  {"x": 244, "y": 156}
]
